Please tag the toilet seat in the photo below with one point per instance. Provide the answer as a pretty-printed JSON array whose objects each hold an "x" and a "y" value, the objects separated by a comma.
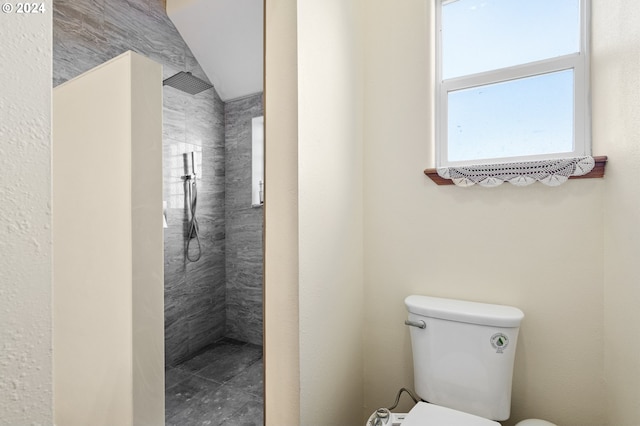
[{"x": 425, "y": 414}]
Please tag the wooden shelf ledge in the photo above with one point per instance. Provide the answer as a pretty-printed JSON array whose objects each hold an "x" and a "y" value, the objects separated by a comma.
[{"x": 597, "y": 172}]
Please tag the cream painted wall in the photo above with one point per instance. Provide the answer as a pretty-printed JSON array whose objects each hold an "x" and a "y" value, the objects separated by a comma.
[
  {"x": 25, "y": 234},
  {"x": 538, "y": 248},
  {"x": 108, "y": 250},
  {"x": 313, "y": 263},
  {"x": 330, "y": 212},
  {"x": 616, "y": 127},
  {"x": 281, "y": 334}
]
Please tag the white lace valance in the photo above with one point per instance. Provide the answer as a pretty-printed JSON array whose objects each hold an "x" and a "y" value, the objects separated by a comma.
[{"x": 549, "y": 172}]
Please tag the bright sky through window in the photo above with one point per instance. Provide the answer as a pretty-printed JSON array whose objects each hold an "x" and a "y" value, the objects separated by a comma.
[
  {"x": 522, "y": 117},
  {"x": 483, "y": 35},
  {"x": 512, "y": 80}
]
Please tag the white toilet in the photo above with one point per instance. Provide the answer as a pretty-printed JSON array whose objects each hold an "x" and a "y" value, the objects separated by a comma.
[{"x": 463, "y": 355}]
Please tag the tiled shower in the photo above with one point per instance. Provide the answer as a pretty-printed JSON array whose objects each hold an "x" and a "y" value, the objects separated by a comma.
[{"x": 220, "y": 296}]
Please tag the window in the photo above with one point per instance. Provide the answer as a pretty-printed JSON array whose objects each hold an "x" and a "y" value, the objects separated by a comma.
[{"x": 512, "y": 81}]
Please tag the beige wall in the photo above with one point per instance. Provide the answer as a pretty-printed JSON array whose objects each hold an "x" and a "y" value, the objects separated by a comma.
[
  {"x": 282, "y": 371},
  {"x": 107, "y": 235},
  {"x": 25, "y": 217},
  {"x": 146, "y": 236},
  {"x": 538, "y": 248},
  {"x": 330, "y": 212},
  {"x": 544, "y": 250},
  {"x": 313, "y": 218},
  {"x": 616, "y": 126}
]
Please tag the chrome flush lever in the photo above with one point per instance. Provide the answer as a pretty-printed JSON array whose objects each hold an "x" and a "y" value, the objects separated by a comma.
[{"x": 419, "y": 324}]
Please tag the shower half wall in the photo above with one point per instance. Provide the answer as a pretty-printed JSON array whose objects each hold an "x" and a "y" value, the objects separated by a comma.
[
  {"x": 87, "y": 33},
  {"x": 221, "y": 294}
]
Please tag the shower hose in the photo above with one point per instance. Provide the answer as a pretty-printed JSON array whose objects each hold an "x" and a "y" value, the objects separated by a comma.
[{"x": 193, "y": 223}]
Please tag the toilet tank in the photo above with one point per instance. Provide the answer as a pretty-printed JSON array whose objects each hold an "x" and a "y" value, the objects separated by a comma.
[{"x": 463, "y": 357}]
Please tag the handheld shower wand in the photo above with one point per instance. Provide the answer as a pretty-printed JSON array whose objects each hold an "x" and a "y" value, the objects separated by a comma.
[{"x": 191, "y": 193}]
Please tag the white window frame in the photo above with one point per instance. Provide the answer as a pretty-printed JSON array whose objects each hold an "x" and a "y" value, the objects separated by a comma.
[{"x": 578, "y": 62}]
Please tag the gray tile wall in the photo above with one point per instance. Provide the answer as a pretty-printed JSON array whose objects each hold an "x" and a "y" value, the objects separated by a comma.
[
  {"x": 87, "y": 33},
  {"x": 243, "y": 225},
  {"x": 194, "y": 291}
]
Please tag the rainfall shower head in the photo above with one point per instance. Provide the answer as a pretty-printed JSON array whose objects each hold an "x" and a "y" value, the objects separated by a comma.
[{"x": 186, "y": 82}]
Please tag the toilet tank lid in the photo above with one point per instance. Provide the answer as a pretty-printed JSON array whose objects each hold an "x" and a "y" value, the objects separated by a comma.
[{"x": 464, "y": 311}]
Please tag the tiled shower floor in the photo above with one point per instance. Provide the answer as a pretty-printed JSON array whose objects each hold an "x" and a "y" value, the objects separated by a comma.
[{"x": 221, "y": 386}]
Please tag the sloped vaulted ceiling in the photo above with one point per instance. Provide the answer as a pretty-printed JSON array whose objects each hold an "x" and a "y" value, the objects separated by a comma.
[{"x": 225, "y": 36}]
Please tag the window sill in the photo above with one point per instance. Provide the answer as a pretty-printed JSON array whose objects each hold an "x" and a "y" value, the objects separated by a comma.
[{"x": 597, "y": 172}]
